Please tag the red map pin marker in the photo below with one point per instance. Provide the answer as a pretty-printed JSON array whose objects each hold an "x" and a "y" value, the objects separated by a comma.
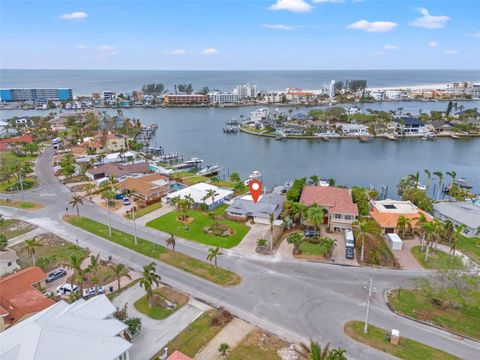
[{"x": 255, "y": 190}]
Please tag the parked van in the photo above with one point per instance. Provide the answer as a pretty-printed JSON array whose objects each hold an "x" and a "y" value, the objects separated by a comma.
[{"x": 349, "y": 239}]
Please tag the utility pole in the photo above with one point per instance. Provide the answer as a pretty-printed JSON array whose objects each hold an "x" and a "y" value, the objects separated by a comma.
[
  {"x": 134, "y": 224},
  {"x": 21, "y": 185},
  {"x": 365, "y": 329}
]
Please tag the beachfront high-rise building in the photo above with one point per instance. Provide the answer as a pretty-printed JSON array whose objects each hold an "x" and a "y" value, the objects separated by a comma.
[
  {"x": 331, "y": 91},
  {"x": 246, "y": 91},
  {"x": 217, "y": 97},
  {"x": 25, "y": 94}
]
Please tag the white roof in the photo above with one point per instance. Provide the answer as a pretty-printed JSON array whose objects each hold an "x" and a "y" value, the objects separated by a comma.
[
  {"x": 394, "y": 238},
  {"x": 395, "y": 206},
  {"x": 198, "y": 192},
  {"x": 462, "y": 212},
  {"x": 82, "y": 330}
]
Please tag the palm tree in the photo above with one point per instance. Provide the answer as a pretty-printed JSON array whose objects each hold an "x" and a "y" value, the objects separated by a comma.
[
  {"x": 213, "y": 254},
  {"x": 223, "y": 349},
  {"x": 420, "y": 221},
  {"x": 296, "y": 239},
  {"x": 134, "y": 325},
  {"x": 235, "y": 177},
  {"x": 429, "y": 178},
  {"x": 109, "y": 196},
  {"x": 453, "y": 175},
  {"x": 404, "y": 224},
  {"x": 118, "y": 270},
  {"x": 211, "y": 193},
  {"x": 76, "y": 202},
  {"x": 93, "y": 268},
  {"x": 415, "y": 177},
  {"x": 2, "y": 223},
  {"x": 315, "y": 215},
  {"x": 314, "y": 180},
  {"x": 429, "y": 231},
  {"x": 131, "y": 194},
  {"x": 456, "y": 236},
  {"x": 30, "y": 246},
  {"x": 439, "y": 174},
  {"x": 315, "y": 352},
  {"x": 448, "y": 230},
  {"x": 298, "y": 211},
  {"x": 171, "y": 242},
  {"x": 363, "y": 234},
  {"x": 149, "y": 278},
  {"x": 76, "y": 265}
]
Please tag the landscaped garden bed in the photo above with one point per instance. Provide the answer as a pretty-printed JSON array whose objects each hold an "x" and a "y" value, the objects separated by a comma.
[{"x": 164, "y": 302}]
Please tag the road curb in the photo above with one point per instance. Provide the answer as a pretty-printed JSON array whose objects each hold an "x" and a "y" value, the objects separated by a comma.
[{"x": 461, "y": 336}]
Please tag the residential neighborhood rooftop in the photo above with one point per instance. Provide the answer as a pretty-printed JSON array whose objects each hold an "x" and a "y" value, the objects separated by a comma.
[
  {"x": 338, "y": 200},
  {"x": 463, "y": 212}
]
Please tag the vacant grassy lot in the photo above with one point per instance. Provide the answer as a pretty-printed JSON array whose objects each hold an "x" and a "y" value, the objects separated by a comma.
[
  {"x": 52, "y": 252},
  {"x": 183, "y": 262},
  {"x": 197, "y": 334},
  {"x": 13, "y": 228},
  {"x": 144, "y": 211},
  {"x": 436, "y": 259},
  {"x": 470, "y": 247},
  {"x": 407, "y": 349},
  {"x": 258, "y": 346},
  {"x": 158, "y": 312},
  {"x": 195, "y": 229},
  {"x": 413, "y": 303}
]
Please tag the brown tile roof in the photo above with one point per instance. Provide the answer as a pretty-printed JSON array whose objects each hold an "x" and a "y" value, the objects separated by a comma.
[
  {"x": 144, "y": 185},
  {"x": 177, "y": 355},
  {"x": 18, "y": 296},
  {"x": 120, "y": 170},
  {"x": 79, "y": 150},
  {"x": 389, "y": 220},
  {"x": 337, "y": 200},
  {"x": 23, "y": 138}
]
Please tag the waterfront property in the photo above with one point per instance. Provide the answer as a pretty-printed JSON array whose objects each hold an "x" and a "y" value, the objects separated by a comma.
[
  {"x": 411, "y": 126},
  {"x": 20, "y": 297},
  {"x": 185, "y": 99},
  {"x": 340, "y": 210},
  {"x": 80, "y": 330},
  {"x": 61, "y": 94},
  {"x": 149, "y": 188},
  {"x": 198, "y": 193},
  {"x": 387, "y": 212},
  {"x": 267, "y": 205},
  {"x": 460, "y": 213},
  {"x": 118, "y": 171}
]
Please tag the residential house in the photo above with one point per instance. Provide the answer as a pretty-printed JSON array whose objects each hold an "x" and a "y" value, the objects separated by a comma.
[
  {"x": 340, "y": 210},
  {"x": 386, "y": 214},
  {"x": 460, "y": 213},
  {"x": 8, "y": 144},
  {"x": 411, "y": 126},
  {"x": 259, "y": 115},
  {"x": 115, "y": 142},
  {"x": 149, "y": 188},
  {"x": 8, "y": 262},
  {"x": 439, "y": 127},
  {"x": 267, "y": 204},
  {"x": 85, "y": 329},
  {"x": 354, "y": 129},
  {"x": 118, "y": 171},
  {"x": 198, "y": 193},
  {"x": 20, "y": 296}
]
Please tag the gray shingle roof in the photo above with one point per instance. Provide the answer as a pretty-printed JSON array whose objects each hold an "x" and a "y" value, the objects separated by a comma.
[
  {"x": 263, "y": 208},
  {"x": 462, "y": 212}
]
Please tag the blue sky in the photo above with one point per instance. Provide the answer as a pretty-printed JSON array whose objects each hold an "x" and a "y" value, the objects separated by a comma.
[{"x": 240, "y": 34}]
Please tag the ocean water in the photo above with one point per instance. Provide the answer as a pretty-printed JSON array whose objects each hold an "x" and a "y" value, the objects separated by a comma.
[{"x": 87, "y": 81}]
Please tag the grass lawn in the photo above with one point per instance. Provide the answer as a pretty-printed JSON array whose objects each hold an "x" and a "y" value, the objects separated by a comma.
[
  {"x": 105, "y": 275},
  {"x": 406, "y": 349},
  {"x": 436, "y": 259},
  {"x": 413, "y": 303},
  {"x": 183, "y": 262},
  {"x": 314, "y": 250},
  {"x": 28, "y": 183},
  {"x": 52, "y": 247},
  {"x": 169, "y": 223},
  {"x": 469, "y": 246},
  {"x": 25, "y": 205},
  {"x": 144, "y": 211},
  {"x": 13, "y": 228},
  {"x": 258, "y": 346},
  {"x": 196, "y": 335},
  {"x": 157, "y": 312},
  {"x": 11, "y": 155}
]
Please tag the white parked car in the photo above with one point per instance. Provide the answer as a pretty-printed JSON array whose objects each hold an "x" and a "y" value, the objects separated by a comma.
[
  {"x": 91, "y": 291},
  {"x": 66, "y": 289}
]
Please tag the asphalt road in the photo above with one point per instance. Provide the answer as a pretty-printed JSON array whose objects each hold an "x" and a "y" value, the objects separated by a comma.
[{"x": 296, "y": 300}]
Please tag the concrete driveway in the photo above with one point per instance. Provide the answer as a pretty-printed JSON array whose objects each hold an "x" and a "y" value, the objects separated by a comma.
[
  {"x": 338, "y": 255},
  {"x": 156, "y": 334},
  {"x": 249, "y": 242}
]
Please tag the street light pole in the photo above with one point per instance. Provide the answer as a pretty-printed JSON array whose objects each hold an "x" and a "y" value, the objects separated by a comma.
[
  {"x": 365, "y": 329},
  {"x": 134, "y": 224}
]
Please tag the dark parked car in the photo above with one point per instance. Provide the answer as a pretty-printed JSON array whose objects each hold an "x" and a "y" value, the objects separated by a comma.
[
  {"x": 56, "y": 274},
  {"x": 349, "y": 253},
  {"x": 311, "y": 233}
]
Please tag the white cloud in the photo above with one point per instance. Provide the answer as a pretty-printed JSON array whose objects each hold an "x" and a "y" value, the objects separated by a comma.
[
  {"x": 81, "y": 47},
  {"x": 433, "y": 44},
  {"x": 329, "y": 1},
  {"x": 450, "y": 52},
  {"x": 177, "y": 52},
  {"x": 296, "y": 6},
  {"x": 429, "y": 21},
  {"x": 209, "y": 51},
  {"x": 375, "y": 26},
  {"x": 76, "y": 15},
  {"x": 106, "y": 50},
  {"x": 390, "y": 47},
  {"x": 278, "y": 27}
]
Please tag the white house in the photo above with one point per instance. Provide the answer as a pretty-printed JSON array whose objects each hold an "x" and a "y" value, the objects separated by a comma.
[
  {"x": 85, "y": 329},
  {"x": 259, "y": 114},
  {"x": 460, "y": 213},
  {"x": 8, "y": 262},
  {"x": 354, "y": 129},
  {"x": 223, "y": 98},
  {"x": 198, "y": 193}
]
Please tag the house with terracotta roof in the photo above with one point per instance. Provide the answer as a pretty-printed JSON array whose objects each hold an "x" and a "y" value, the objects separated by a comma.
[
  {"x": 7, "y": 144},
  {"x": 149, "y": 188},
  {"x": 386, "y": 214},
  {"x": 340, "y": 210},
  {"x": 119, "y": 171},
  {"x": 177, "y": 355},
  {"x": 20, "y": 297}
]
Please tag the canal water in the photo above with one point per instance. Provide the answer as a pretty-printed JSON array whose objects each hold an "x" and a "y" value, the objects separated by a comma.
[{"x": 197, "y": 132}]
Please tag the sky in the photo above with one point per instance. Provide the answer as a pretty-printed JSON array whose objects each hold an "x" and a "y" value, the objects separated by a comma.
[{"x": 240, "y": 34}]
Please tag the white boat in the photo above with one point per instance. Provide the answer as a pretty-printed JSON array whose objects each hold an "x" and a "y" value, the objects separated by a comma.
[
  {"x": 209, "y": 170},
  {"x": 256, "y": 175}
]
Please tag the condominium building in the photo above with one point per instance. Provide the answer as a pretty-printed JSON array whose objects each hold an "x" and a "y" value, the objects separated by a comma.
[
  {"x": 185, "y": 99},
  {"x": 246, "y": 91},
  {"x": 223, "y": 98},
  {"x": 25, "y": 94}
]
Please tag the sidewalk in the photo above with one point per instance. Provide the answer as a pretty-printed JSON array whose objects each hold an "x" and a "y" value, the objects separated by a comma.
[
  {"x": 29, "y": 235},
  {"x": 154, "y": 214}
]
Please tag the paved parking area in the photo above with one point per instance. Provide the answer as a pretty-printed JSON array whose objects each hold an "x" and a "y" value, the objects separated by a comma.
[
  {"x": 338, "y": 255},
  {"x": 405, "y": 257}
]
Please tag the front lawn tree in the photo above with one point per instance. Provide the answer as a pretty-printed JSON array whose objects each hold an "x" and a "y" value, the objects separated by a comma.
[
  {"x": 296, "y": 239},
  {"x": 171, "y": 242},
  {"x": 315, "y": 216},
  {"x": 363, "y": 235},
  {"x": 148, "y": 279},
  {"x": 30, "y": 246},
  {"x": 213, "y": 254},
  {"x": 118, "y": 270},
  {"x": 76, "y": 202}
]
